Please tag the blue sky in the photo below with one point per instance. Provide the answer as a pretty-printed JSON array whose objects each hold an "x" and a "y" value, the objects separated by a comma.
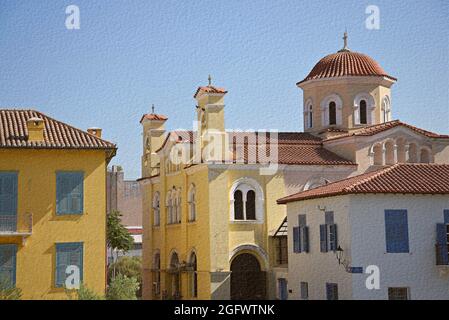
[{"x": 130, "y": 54}]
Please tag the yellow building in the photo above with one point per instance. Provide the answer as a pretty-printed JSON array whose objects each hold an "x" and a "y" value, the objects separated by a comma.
[
  {"x": 52, "y": 204},
  {"x": 212, "y": 228}
]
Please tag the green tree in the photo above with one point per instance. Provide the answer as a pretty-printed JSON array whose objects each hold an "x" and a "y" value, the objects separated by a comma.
[
  {"x": 127, "y": 266},
  {"x": 117, "y": 236},
  {"x": 9, "y": 292},
  {"x": 83, "y": 293},
  {"x": 123, "y": 288}
]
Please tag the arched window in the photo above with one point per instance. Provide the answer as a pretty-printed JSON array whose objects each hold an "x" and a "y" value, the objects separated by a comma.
[
  {"x": 238, "y": 205},
  {"x": 377, "y": 154},
  {"x": 178, "y": 207},
  {"x": 169, "y": 204},
  {"x": 412, "y": 153},
  {"x": 156, "y": 275},
  {"x": 390, "y": 157},
  {"x": 308, "y": 114},
  {"x": 156, "y": 210},
  {"x": 386, "y": 112},
  {"x": 425, "y": 156},
  {"x": 400, "y": 142},
  {"x": 246, "y": 200},
  {"x": 175, "y": 276},
  {"x": 192, "y": 203},
  {"x": 332, "y": 113},
  {"x": 363, "y": 112},
  {"x": 250, "y": 205},
  {"x": 193, "y": 276}
]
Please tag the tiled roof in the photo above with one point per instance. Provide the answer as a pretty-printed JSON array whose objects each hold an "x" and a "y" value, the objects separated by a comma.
[
  {"x": 209, "y": 89},
  {"x": 377, "y": 128},
  {"x": 153, "y": 116},
  {"x": 345, "y": 63},
  {"x": 399, "y": 178},
  {"x": 294, "y": 148},
  {"x": 14, "y": 133}
]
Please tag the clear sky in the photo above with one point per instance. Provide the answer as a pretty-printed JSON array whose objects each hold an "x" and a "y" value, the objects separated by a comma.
[{"x": 128, "y": 55}]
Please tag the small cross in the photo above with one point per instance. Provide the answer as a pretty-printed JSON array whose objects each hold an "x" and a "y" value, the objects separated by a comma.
[
  {"x": 210, "y": 80},
  {"x": 152, "y": 108},
  {"x": 345, "y": 39}
]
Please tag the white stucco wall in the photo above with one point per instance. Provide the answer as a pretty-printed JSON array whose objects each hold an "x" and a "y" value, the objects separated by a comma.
[
  {"x": 416, "y": 269},
  {"x": 315, "y": 267},
  {"x": 361, "y": 234}
]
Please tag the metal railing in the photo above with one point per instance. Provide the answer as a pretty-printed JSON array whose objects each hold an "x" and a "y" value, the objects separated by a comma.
[{"x": 11, "y": 224}]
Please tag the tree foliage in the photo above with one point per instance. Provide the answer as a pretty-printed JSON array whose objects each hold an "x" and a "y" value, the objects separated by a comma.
[
  {"x": 9, "y": 292},
  {"x": 117, "y": 236},
  {"x": 123, "y": 288},
  {"x": 83, "y": 293}
]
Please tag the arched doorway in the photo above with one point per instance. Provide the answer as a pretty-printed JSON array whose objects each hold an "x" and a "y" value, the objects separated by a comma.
[{"x": 248, "y": 281}]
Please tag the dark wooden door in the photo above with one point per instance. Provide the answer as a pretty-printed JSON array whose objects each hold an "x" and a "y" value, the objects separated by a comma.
[{"x": 248, "y": 281}]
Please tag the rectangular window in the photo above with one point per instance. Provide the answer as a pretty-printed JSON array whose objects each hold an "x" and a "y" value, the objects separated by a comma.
[
  {"x": 8, "y": 264},
  {"x": 296, "y": 239},
  {"x": 304, "y": 290},
  {"x": 68, "y": 254},
  {"x": 396, "y": 231},
  {"x": 8, "y": 201},
  {"x": 331, "y": 291},
  {"x": 328, "y": 233},
  {"x": 282, "y": 287},
  {"x": 69, "y": 193},
  {"x": 398, "y": 294},
  {"x": 282, "y": 250},
  {"x": 442, "y": 246}
]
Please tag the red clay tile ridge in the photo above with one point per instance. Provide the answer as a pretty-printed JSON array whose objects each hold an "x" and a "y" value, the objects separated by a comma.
[
  {"x": 209, "y": 89},
  {"x": 397, "y": 179}
]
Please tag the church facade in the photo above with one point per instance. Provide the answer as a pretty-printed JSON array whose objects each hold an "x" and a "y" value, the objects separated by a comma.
[{"x": 212, "y": 227}]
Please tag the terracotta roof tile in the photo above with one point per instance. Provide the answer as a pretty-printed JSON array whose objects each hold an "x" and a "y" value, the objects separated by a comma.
[
  {"x": 374, "y": 129},
  {"x": 153, "y": 116},
  {"x": 14, "y": 133},
  {"x": 345, "y": 63},
  {"x": 209, "y": 89},
  {"x": 294, "y": 148},
  {"x": 399, "y": 178}
]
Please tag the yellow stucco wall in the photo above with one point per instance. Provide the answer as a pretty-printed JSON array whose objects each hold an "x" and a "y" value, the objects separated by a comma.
[{"x": 37, "y": 169}]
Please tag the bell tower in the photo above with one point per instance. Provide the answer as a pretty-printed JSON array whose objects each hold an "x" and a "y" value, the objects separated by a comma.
[{"x": 153, "y": 126}]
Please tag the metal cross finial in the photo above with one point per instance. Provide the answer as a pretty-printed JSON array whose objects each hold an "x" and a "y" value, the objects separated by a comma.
[
  {"x": 345, "y": 40},
  {"x": 210, "y": 80},
  {"x": 152, "y": 108}
]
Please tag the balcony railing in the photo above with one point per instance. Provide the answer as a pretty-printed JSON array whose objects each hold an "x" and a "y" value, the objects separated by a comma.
[
  {"x": 16, "y": 224},
  {"x": 441, "y": 253}
]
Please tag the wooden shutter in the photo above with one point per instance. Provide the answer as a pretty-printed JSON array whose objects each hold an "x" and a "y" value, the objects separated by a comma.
[
  {"x": 446, "y": 216},
  {"x": 68, "y": 254},
  {"x": 396, "y": 231},
  {"x": 8, "y": 264},
  {"x": 442, "y": 248},
  {"x": 323, "y": 238},
  {"x": 305, "y": 239},
  {"x": 331, "y": 291},
  {"x": 8, "y": 201},
  {"x": 69, "y": 193},
  {"x": 296, "y": 239},
  {"x": 333, "y": 243}
]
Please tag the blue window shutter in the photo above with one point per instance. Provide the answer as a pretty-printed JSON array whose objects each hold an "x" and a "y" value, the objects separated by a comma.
[
  {"x": 296, "y": 239},
  {"x": 442, "y": 249},
  {"x": 68, "y": 254},
  {"x": 69, "y": 192},
  {"x": 328, "y": 291},
  {"x": 323, "y": 238},
  {"x": 8, "y": 263},
  {"x": 305, "y": 239},
  {"x": 446, "y": 216},
  {"x": 331, "y": 291},
  {"x": 396, "y": 231},
  {"x": 8, "y": 193},
  {"x": 333, "y": 243}
]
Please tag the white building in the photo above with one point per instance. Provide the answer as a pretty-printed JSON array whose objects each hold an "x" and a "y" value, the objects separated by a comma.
[{"x": 395, "y": 219}]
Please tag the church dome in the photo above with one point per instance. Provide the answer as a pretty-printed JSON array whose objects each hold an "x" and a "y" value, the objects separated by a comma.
[{"x": 346, "y": 63}]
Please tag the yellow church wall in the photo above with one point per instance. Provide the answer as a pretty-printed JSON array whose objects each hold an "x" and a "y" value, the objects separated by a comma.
[{"x": 35, "y": 266}]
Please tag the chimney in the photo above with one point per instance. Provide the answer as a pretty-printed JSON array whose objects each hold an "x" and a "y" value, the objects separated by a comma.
[
  {"x": 95, "y": 131},
  {"x": 35, "y": 128}
]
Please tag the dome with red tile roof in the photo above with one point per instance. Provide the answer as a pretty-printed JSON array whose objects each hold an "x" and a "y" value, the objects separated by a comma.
[{"x": 346, "y": 63}]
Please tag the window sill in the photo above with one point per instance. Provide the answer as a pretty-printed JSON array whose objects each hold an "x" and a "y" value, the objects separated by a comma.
[
  {"x": 246, "y": 222},
  {"x": 172, "y": 225},
  {"x": 70, "y": 214}
]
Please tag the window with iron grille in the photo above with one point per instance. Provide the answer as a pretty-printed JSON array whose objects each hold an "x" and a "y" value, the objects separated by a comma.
[{"x": 398, "y": 294}]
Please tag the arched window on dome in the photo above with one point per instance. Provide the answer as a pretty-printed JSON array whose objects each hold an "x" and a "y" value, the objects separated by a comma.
[
  {"x": 308, "y": 115},
  {"x": 412, "y": 153},
  {"x": 363, "y": 112},
  {"x": 386, "y": 109},
  {"x": 332, "y": 113}
]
